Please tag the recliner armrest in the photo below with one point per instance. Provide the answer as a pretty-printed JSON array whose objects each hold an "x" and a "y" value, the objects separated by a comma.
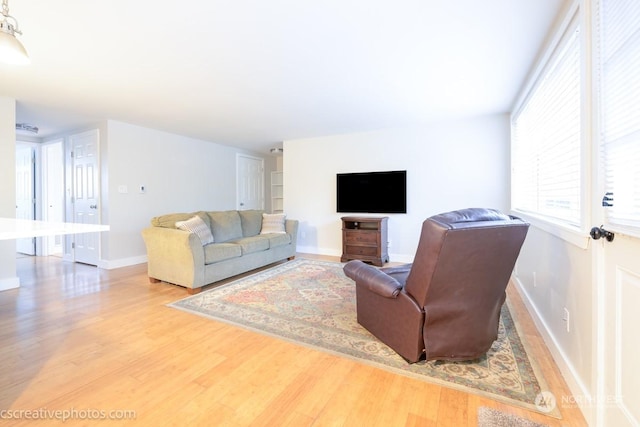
[{"x": 373, "y": 279}]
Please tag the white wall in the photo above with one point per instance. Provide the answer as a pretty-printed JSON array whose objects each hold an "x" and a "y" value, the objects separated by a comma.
[
  {"x": 180, "y": 174},
  {"x": 555, "y": 274},
  {"x": 8, "y": 278},
  {"x": 450, "y": 165}
]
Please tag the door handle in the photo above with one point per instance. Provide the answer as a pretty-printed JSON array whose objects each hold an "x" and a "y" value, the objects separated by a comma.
[
  {"x": 93, "y": 206},
  {"x": 598, "y": 232}
]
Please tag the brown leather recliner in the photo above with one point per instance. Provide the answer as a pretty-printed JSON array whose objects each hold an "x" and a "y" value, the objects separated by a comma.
[{"x": 446, "y": 304}]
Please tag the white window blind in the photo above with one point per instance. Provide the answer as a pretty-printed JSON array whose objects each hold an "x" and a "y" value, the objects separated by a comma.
[
  {"x": 619, "y": 109},
  {"x": 546, "y": 154}
]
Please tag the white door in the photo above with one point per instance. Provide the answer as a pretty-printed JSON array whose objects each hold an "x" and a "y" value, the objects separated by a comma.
[
  {"x": 250, "y": 182},
  {"x": 618, "y": 293},
  {"x": 53, "y": 193},
  {"x": 86, "y": 194},
  {"x": 620, "y": 398},
  {"x": 618, "y": 260},
  {"x": 25, "y": 194}
]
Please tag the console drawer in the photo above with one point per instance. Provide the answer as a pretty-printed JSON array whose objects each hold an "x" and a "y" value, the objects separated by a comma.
[
  {"x": 361, "y": 237},
  {"x": 362, "y": 250}
]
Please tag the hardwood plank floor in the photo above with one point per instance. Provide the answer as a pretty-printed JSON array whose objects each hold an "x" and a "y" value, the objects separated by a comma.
[{"x": 88, "y": 342}]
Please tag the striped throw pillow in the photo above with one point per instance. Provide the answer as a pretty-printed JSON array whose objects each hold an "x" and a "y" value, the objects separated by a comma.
[
  {"x": 273, "y": 223},
  {"x": 197, "y": 226}
]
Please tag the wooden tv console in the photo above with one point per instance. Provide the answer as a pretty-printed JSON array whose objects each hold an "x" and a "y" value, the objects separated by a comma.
[{"x": 365, "y": 238}]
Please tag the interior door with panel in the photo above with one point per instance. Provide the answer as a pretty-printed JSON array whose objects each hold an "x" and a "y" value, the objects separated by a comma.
[
  {"x": 618, "y": 291},
  {"x": 620, "y": 399},
  {"x": 53, "y": 193},
  {"x": 86, "y": 194},
  {"x": 250, "y": 182},
  {"x": 617, "y": 248},
  {"x": 25, "y": 194}
]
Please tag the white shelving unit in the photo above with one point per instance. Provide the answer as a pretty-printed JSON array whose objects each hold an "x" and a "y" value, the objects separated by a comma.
[{"x": 277, "y": 192}]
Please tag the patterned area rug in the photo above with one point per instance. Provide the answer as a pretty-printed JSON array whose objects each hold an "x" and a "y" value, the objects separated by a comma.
[
  {"x": 489, "y": 417},
  {"x": 313, "y": 303}
]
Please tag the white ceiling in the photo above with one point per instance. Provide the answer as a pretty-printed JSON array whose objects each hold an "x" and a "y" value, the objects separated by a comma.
[{"x": 253, "y": 73}]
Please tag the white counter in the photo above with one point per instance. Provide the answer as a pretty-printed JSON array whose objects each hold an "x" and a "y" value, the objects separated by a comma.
[{"x": 12, "y": 228}]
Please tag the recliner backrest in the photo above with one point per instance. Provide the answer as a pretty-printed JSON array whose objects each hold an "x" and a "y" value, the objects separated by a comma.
[{"x": 462, "y": 255}]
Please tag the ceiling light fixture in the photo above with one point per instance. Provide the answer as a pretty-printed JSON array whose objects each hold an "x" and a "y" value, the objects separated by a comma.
[
  {"x": 11, "y": 50},
  {"x": 276, "y": 150}
]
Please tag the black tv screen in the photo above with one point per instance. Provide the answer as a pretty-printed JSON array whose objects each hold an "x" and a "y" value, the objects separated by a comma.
[{"x": 372, "y": 192}]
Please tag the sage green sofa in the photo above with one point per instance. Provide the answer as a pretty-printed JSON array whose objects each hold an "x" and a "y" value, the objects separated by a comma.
[{"x": 239, "y": 245}]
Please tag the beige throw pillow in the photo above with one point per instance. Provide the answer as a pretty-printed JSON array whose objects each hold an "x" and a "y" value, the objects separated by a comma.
[
  {"x": 196, "y": 225},
  {"x": 273, "y": 223}
]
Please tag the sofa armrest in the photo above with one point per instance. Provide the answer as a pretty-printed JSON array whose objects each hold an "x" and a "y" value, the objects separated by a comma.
[
  {"x": 373, "y": 279},
  {"x": 174, "y": 256},
  {"x": 291, "y": 227}
]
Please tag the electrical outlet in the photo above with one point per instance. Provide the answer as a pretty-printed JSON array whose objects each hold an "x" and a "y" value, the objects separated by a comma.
[
  {"x": 566, "y": 318},
  {"x": 535, "y": 281}
]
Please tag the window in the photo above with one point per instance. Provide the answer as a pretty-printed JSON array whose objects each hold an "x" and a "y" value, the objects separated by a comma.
[
  {"x": 619, "y": 110},
  {"x": 546, "y": 139}
]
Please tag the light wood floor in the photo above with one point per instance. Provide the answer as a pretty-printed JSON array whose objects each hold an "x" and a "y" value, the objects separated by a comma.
[{"x": 87, "y": 342}]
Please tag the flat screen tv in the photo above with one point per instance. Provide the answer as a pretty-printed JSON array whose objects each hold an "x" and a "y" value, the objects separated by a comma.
[{"x": 372, "y": 192}]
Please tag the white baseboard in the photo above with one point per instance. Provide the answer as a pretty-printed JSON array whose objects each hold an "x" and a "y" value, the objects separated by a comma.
[
  {"x": 122, "y": 262},
  {"x": 317, "y": 251},
  {"x": 407, "y": 259},
  {"x": 332, "y": 252},
  {"x": 9, "y": 283},
  {"x": 575, "y": 384}
]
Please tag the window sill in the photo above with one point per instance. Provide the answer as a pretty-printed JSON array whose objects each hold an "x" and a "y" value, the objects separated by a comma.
[{"x": 569, "y": 234}]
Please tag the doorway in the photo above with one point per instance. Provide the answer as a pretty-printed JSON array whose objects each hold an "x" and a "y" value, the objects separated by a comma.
[
  {"x": 25, "y": 194},
  {"x": 52, "y": 159},
  {"x": 250, "y": 182},
  {"x": 85, "y": 194}
]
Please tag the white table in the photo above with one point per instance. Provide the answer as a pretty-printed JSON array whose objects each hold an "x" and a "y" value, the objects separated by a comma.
[{"x": 12, "y": 228}]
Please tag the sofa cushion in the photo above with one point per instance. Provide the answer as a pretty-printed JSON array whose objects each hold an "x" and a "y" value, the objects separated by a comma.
[
  {"x": 220, "y": 252},
  {"x": 196, "y": 225},
  {"x": 278, "y": 239},
  {"x": 251, "y": 222},
  {"x": 169, "y": 220},
  {"x": 252, "y": 244},
  {"x": 225, "y": 225},
  {"x": 272, "y": 223}
]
